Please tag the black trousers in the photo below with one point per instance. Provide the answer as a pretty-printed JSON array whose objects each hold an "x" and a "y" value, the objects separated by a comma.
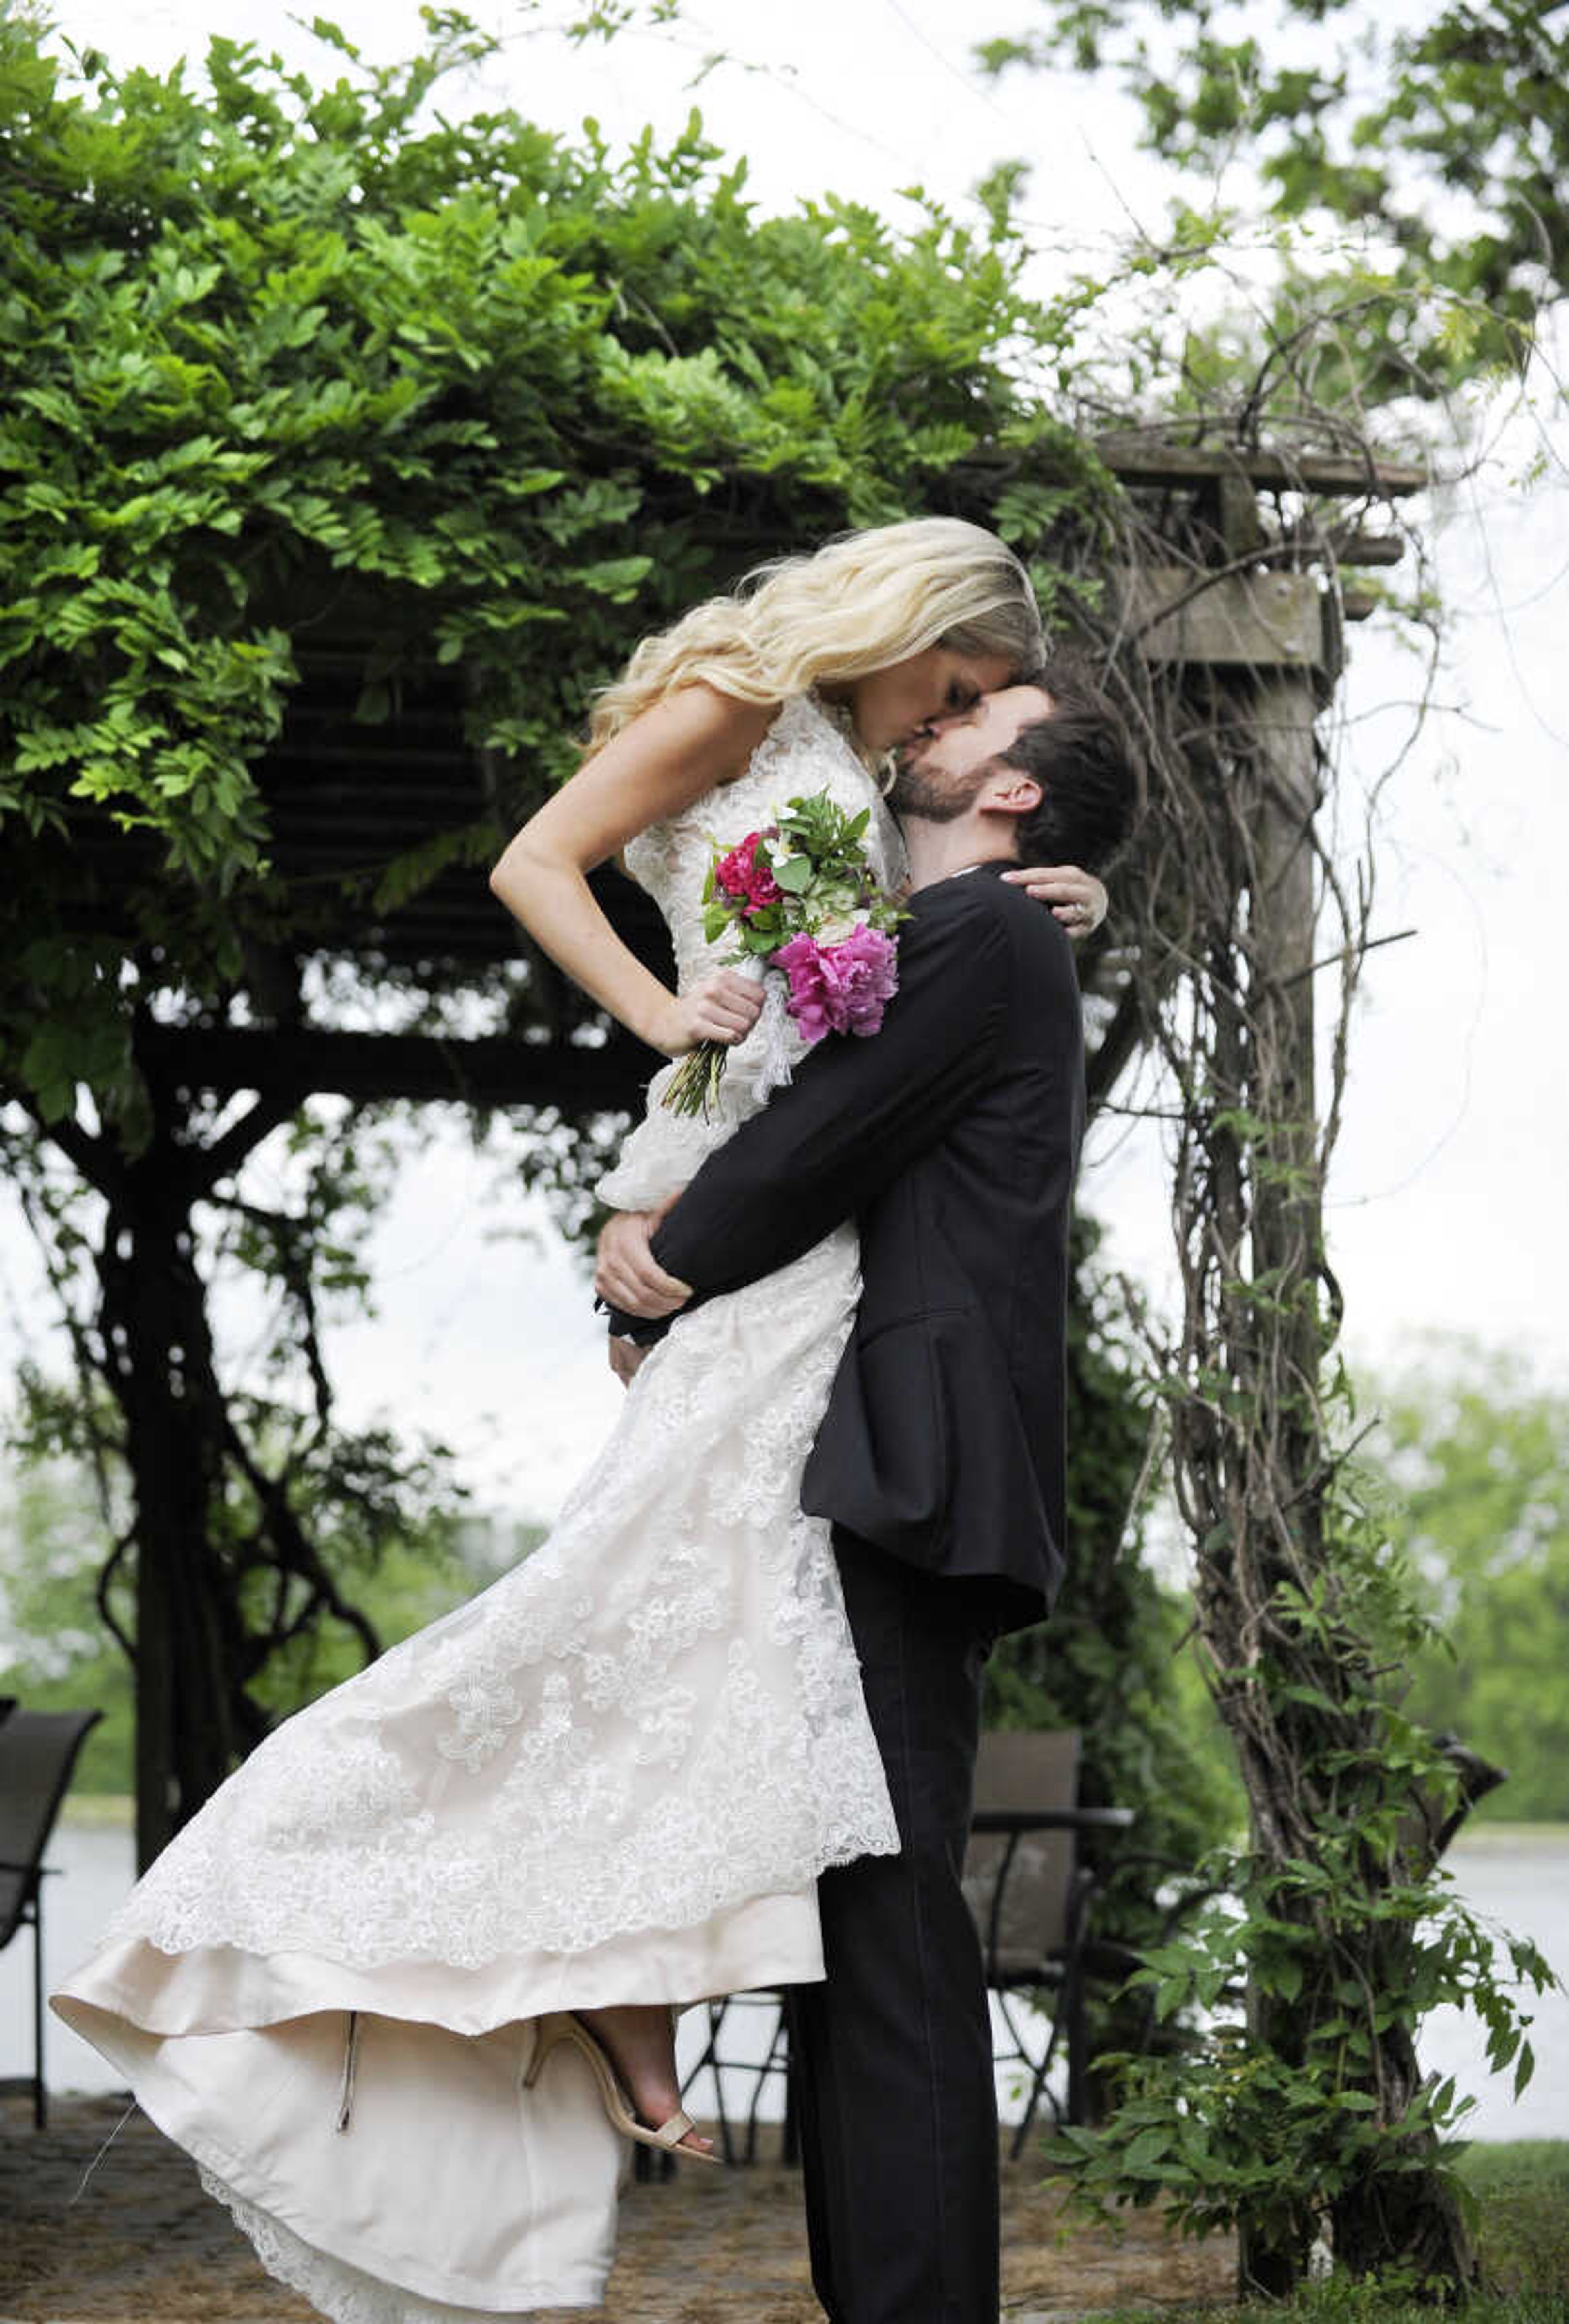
[{"x": 893, "y": 2051}]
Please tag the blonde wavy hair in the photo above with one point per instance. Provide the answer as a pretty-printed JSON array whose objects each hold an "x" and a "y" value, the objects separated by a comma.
[{"x": 857, "y": 604}]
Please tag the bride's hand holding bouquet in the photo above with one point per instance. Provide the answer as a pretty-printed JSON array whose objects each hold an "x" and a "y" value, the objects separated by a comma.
[{"x": 799, "y": 899}]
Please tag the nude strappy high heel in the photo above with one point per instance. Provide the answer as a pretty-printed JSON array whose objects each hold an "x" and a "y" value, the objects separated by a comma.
[{"x": 561, "y": 2026}]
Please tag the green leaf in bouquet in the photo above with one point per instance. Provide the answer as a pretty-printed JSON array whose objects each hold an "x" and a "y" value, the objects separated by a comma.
[
  {"x": 794, "y": 875},
  {"x": 715, "y": 920}
]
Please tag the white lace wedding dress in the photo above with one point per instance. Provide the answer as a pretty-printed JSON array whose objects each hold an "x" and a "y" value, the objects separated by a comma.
[{"x": 614, "y": 1777}]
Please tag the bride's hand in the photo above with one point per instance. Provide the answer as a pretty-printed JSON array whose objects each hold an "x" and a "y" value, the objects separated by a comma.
[
  {"x": 1076, "y": 897},
  {"x": 723, "y": 1006}
]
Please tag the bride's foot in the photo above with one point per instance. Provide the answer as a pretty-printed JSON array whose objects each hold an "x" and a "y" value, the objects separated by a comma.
[{"x": 639, "y": 2042}]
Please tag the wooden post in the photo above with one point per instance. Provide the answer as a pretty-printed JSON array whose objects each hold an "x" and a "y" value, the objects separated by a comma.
[
  {"x": 1255, "y": 650},
  {"x": 156, "y": 1330},
  {"x": 1271, "y": 723},
  {"x": 1273, "y": 717}
]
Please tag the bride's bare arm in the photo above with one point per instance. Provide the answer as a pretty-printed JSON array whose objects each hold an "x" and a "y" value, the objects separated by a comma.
[{"x": 667, "y": 758}]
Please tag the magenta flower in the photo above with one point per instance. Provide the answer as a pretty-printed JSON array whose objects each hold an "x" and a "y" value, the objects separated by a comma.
[
  {"x": 740, "y": 874},
  {"x": 842, "y": 988}
]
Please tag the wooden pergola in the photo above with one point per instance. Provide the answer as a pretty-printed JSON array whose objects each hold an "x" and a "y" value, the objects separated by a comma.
[
  {"x": 345, "y": 798},
  {"x": 1256, "y": 606}
]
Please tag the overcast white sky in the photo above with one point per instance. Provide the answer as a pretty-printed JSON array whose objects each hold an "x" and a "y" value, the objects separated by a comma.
[{"x": 1448, "y": 1197}]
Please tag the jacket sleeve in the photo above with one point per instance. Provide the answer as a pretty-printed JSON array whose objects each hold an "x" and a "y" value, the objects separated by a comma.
[{"x": 859, "y": 1110}]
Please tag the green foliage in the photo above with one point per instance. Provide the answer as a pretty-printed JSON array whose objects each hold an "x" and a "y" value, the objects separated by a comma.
[
  {"x": 1473, "y": 1459},
  {"x": 300, "y": 1508},
  {"x": 56, "y": 1651},
  {"x": 1111, "y": 1659},
  {"x": 821, "y": 869},
  {"x": 274, "y": 354},
  {"x": 55, "y": 1536},
  {"x": 1227, "y": 2125},
  {"x": 1439, "y": 136},
  {"x": 1386, "y": 2299},
  {"x": 1343, "y": 1945}
]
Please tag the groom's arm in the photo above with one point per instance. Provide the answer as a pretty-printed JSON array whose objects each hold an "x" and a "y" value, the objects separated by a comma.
[{"x": 858, "y": 1111}]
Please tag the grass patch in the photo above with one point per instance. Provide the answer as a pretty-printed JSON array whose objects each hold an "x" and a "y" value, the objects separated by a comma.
[
  {"x": 1522, "y": 2192},
  {"x": 1522, "y": 2235},
  {"x": 99, "y": 1810},
  {"x": 1502, "y": 2166},
  {"x": 1361, "y": 2303}
]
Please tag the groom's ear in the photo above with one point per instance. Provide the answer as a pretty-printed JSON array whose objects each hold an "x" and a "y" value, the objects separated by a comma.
[{"x": 1011, "y": 791}]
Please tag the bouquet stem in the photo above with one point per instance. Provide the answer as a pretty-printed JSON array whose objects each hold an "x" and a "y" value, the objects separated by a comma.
[{"x": 694, "y": 1084}]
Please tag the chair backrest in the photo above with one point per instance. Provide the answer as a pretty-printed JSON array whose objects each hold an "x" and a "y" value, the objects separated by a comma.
[
  {"x": 1432, "y": 1821},
  {"x": 1019, "y": 1889},
  {"x": 37, "y": 1751}
]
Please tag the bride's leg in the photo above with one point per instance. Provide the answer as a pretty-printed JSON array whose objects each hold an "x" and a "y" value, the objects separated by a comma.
[{"x": 639, "y": 2042}]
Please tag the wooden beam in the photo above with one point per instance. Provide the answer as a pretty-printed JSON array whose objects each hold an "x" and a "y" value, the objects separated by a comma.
[
  {"x": 1146, "y": 460},
  {"x": 1259, "y": 621},
  {"x": 1367, "y": 547},
  {"x": 294, "y": 1063}
]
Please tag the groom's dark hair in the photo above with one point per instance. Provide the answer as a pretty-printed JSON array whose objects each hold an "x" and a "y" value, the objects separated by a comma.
[{"x": 1085, "y": 760}]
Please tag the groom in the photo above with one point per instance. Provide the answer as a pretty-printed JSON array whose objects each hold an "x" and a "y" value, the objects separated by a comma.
[{"x": 952, "y": 1136}]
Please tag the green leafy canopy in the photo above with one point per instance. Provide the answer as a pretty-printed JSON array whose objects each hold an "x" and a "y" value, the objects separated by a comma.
[
  {"x": 1433, "y": 142},
  {"x": 274, "y": 355}
]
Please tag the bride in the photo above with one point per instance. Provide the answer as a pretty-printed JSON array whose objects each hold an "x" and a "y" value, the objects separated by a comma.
[{"x": 402, "y": 1985}]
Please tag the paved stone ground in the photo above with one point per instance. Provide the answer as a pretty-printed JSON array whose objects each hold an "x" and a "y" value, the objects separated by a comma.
[{"x": 142, "y": 2243}]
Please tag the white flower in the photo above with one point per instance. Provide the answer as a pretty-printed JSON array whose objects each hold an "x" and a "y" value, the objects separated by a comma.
[{"x": 838, "y": 926}]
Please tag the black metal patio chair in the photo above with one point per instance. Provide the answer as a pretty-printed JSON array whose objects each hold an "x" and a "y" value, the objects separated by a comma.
[
  {"x": 738, "y": 2134},
  {"x": 1030, "y": 1894},
  {"x": 38, "y": 1751}
]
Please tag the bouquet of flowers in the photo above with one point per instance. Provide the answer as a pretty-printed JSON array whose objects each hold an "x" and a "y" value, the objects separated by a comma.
[{"x": 801, "y": 896}]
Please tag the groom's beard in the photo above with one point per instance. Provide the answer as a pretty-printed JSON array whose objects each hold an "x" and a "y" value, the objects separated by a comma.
[{"x": 935, "y": 798}]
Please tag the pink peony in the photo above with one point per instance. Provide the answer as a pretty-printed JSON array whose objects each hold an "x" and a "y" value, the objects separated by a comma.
[
  {"x": 740, "y": 874},
  {"x": 842, "y": 988}
]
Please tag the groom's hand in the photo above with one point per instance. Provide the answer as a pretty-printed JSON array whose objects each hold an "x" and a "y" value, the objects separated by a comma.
[{"x": 627, "y": 1274}]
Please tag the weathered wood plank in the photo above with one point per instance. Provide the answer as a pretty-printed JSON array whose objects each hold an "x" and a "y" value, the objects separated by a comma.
[
  {"x": 1266, "y": 621},
  {"x": 1142, "y": 460},
  {"x": 1370, "y": 548}
]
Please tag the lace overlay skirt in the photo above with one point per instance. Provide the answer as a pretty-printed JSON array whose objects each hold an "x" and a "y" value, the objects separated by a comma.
[{"x": 613, "y": 1777}]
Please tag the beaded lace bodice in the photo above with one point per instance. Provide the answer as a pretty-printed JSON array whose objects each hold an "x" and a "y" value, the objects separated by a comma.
[{"x": 803, "y": 751}]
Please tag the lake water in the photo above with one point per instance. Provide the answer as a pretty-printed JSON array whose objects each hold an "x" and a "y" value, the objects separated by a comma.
[{"x": 1516, "y": 1877}]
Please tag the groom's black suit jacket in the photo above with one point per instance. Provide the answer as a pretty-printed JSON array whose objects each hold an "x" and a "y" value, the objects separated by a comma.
[{"x": 952, "y": 1136}]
